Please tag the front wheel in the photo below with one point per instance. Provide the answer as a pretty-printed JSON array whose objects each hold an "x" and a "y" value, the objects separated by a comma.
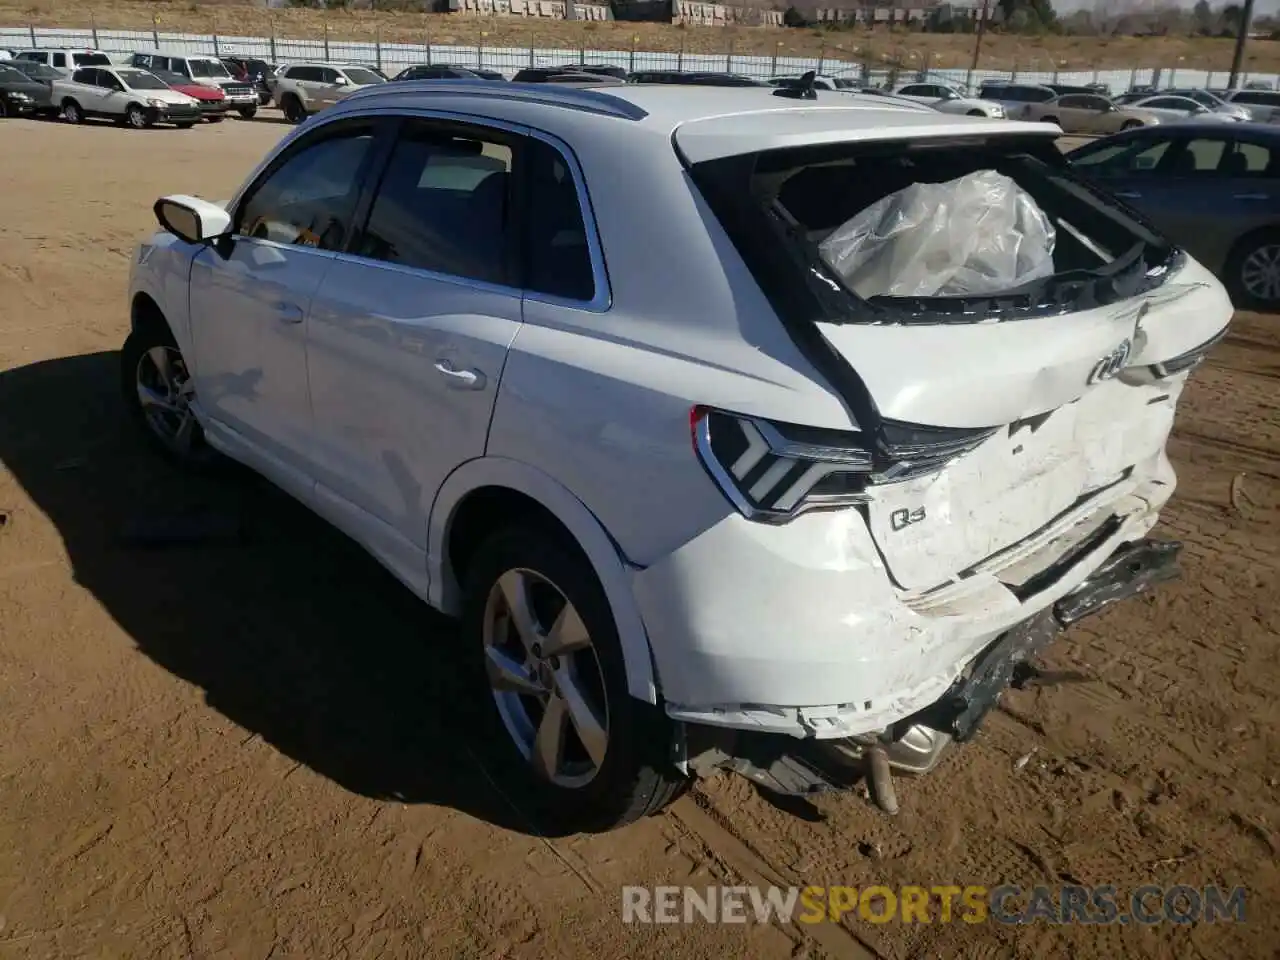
[
  {"x": 1131, "y": 125},
  {"x": 1253, "y": 271},
  {"x": 71, "y": 112},
  {"x": 184, "y": 126},
  {"x": 562, "y": 726},
  {"x": 293, "y": 111},
  {"x": 157, "y": 389},
  {"x": 246, "y": 113},
  {"x": 137, "y": 118},
  {"x": 215, "y": 119}
]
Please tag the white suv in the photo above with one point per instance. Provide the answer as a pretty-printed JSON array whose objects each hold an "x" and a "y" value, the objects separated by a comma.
[
  {"x": 302, "y": 89},
  {"x": 205, "y": 71},
  {"x": 134, "y": 97},
  {"x": 566, "y": 362},
  {"x": 66, "y": 60}
]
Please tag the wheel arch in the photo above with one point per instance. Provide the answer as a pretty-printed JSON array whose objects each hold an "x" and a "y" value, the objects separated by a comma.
[{"x": 487, "y": 493}]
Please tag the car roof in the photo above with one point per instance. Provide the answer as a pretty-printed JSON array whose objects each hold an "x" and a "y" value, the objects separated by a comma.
[{"x": 713, "y": 121}]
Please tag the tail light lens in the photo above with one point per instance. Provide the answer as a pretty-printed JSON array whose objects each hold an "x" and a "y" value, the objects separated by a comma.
[{"x": 774, "y": 471}]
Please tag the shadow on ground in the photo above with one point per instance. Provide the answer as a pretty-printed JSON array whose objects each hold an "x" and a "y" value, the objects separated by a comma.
[{"x": 293, "y": 633}]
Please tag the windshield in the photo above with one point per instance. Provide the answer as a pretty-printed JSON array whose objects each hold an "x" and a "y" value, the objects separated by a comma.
[
  {"x": 361, "y": 76},
  {"x": 141, "y": 80},
  {"x": 91, "y": 60},
  {"x": 208, "y": 68}
]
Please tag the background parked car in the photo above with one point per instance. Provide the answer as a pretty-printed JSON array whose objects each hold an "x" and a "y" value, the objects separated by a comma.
[
  {"x": 946, "y": 99},
  {"x": 65, "y": 59},
  {"x": 1213, "y": 189},
  {"x": 213, "y": 103},
  {"x": 701, "y": 78},
  {"x": 1016, "y": 98},
  {"x": 1174, "y": 109},
  {"x": 1212, "y": 102},
  {"x": 598, "y": 69},
  {"x": 253, "y": 71},
  {"x": 1263, "y": 104},
  {"x": 203, "y": 69},
  {"x": 35, "y": 71},
  {"x": 437, "y": 71},
  {"x": 1089, "y": 113},
  {"x": 20, "y": 95},
  {"x": 124, "y": 94},
  {"x": 306, "y": 88}
]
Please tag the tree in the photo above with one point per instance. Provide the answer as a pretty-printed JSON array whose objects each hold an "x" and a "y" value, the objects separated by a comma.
[
  {"x": 1033, "y": 15},
  {"x": 1202, "y": 15}
]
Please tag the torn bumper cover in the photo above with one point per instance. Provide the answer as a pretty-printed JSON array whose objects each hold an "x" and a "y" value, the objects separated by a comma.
[
  {"x": 916, "y": 743},
  {"x": 1129, "y": 571}
]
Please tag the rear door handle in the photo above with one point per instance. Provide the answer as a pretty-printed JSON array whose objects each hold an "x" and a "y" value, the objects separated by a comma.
[
  {"x": 463, "y": 379},
  {"x": 289, "y": 313},
  {"x": 1251, "y": 196}
]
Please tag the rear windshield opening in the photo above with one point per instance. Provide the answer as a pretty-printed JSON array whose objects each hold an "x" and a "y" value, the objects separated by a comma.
[{"x": 779, "y": 206}]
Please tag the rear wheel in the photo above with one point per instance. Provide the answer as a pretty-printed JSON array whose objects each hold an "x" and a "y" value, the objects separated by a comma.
[
  {"x": 562, "y": 727},
  {"x": 293, "y": 111},
  {"x": 1130, "y": 124},
  {"x": 246, "y": 113},
  {"x": 1253, "y": 271},
  {"x": 71, "y": 112}
]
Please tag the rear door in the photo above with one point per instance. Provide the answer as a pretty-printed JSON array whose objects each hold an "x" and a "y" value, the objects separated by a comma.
[{"x": 410, "y": 331}]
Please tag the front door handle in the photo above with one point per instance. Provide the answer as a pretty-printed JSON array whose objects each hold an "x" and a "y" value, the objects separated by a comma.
[
  {"x": 289, "y": 312},
  {"x": 463, "y": 379}
]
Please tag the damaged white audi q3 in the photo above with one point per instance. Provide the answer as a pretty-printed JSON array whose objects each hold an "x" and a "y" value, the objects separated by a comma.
[{"x": 743, "y": 428}]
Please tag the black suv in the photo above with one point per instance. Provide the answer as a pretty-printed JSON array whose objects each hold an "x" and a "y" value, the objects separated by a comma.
[{"x": 252, "y": 70}]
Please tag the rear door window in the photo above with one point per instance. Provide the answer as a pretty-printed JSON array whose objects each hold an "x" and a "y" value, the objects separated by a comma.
[
  {"x": 443, "y": 204},
  {"x": 59, "y": 59},
  {"x": 1256, "y": 160},
  {"x": 557, "y": 251},
  {"x": 88, "y": 76}
]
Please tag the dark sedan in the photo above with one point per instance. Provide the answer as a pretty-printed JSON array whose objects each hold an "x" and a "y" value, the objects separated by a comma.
[
  {"x": 1214, "y": 190},
  {"x": 20, "y": 95}
]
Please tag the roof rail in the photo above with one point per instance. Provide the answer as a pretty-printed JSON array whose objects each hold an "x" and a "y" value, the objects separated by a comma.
[{"x": 546, "y": 94}]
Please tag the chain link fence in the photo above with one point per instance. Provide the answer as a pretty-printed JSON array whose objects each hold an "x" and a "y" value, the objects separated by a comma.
[{"x": 391, "y": 57}]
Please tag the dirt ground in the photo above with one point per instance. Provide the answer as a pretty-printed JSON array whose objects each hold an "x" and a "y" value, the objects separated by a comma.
[
  {"x": 258, "y": 749},
  {"x": 913, "y": 49}
]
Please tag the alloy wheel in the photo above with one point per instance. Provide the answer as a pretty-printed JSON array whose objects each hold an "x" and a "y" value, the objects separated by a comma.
[
  {"x": 137, "y": 119},
  {"x": 165, "y": 390},
  {"x": 71, "y": 113},
  {"x": 545, "y": 678},
  {"x": 1260, "y": 273}
]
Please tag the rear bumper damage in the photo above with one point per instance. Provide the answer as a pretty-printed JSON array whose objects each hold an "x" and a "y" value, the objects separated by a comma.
[{"x": 915, "y": 744}]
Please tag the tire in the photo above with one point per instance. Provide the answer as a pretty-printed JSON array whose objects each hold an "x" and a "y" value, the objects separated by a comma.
[
  {"x": 1252, "y": 271},
  {"x": 214, "y": 119},
  {"x": 138, "y": 118},
  {"x": 1050, "y": 120},
  {"x": 247, "y": 113},
  {"x": 1131, "y": 125},
  {"x": 72, "y": 112},
  {"x": 976, "y": 113},
  {"x": 628, "y": 775},
  {"x": 184, "y": 125},
  {"x": 293, "y": 110},
  {"x": 173, "y": 432},
  {"x": 4, "y": 108}
]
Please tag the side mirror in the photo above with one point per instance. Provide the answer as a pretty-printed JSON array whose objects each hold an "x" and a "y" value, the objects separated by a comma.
[{"x": 192, "y": 219}]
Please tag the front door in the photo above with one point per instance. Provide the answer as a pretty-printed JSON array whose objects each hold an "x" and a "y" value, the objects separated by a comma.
[
  {"x": 250, "y": 299},
  {"x": 410, "y": 332}
]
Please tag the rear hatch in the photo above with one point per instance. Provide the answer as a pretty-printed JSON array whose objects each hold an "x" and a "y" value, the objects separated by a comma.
[{"x": 977, "y": 422}]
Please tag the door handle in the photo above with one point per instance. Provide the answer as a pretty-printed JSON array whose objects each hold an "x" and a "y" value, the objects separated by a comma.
[
  {"x": 1251, "y": 196},
  {"x": 289, "y": 313},
  {"x": 464, "y": 379},
  {"x": 1127, "y": 194}
]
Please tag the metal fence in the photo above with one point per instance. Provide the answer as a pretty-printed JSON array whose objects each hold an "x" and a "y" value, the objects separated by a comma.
[{"x": 393, "y": 56}]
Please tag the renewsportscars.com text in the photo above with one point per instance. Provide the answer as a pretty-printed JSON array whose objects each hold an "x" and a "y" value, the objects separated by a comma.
[{"x": 1067, "y": 903}]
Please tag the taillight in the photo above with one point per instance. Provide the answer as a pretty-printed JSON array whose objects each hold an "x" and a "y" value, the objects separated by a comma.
[{"x": 774, "y": 471}]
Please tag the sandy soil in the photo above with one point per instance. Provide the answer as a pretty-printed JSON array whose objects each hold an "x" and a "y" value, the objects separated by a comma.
[
  {"x": 255, "y": 750},
  {"x": 999, "y": 52}
]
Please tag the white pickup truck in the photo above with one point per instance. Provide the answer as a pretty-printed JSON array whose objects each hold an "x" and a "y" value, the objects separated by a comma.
[{"x": 124, "y": 94}]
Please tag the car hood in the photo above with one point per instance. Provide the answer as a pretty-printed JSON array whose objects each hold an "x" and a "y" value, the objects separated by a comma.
[
  {"x": 29, "y": 87},
  {"x": 199, "y": 91},
  {"x": 168, "y": 96}
]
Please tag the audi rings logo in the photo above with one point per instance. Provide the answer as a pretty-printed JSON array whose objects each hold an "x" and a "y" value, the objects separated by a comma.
[{"x": 1112, "y": 363}]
